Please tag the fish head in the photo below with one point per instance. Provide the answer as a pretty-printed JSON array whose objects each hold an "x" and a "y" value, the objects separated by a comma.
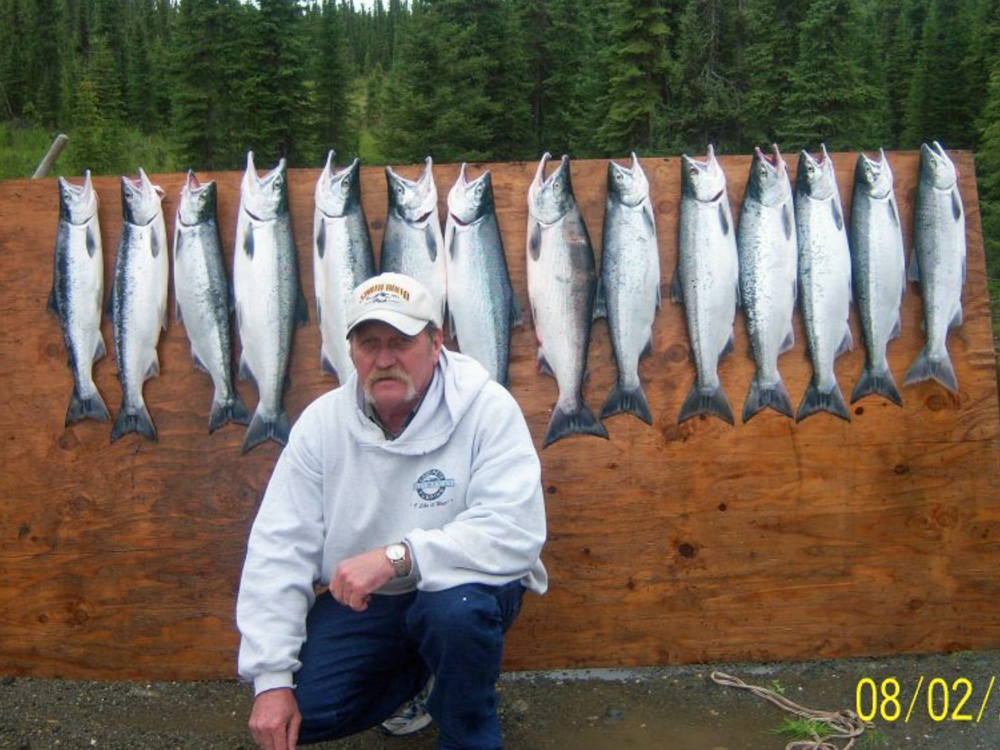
[
  {"x": 936, "y": 167},
  {"x": 77, "y": 203},
  {"x": 551, "y": 198},
  {"x": 874, "y": 177},
  {"x": 264, "y": 198},
  {"x": 471, "y": 200},
  {"x": 197, "y": 203},
  {"x": 815, "y": 176},
  {"x": 338, "y": 190},
  {"x": 703, "y": 180},
  {"x": 627, "y": 186},
  {"x": 768, "y": 181},
  {"x": 413, "y": 201},
  {"x": 140, "y": 199}
]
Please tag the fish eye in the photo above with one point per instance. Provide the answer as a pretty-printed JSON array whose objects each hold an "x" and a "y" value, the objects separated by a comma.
[
  {"x": 618, "y": 176},
  {"x": 693, "y": 171},
  {"x": 479, "y": 190}
]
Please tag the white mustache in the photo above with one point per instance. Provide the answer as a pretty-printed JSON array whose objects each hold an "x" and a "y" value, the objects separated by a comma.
[{"x": 390, "y": 373}]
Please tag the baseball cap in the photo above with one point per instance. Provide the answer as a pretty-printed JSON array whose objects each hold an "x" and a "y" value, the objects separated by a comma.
[{"x": 395, "y": 299}]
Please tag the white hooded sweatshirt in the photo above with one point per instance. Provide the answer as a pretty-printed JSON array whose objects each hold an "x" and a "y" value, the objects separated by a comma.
[{"x": 461, "y": 486}]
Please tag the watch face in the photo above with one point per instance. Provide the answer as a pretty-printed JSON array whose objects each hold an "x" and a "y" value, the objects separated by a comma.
[{"x": 395, "y": 552}]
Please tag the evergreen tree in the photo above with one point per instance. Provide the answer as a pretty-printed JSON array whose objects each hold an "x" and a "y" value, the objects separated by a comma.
[
  {"x": 831, "y": 99},
  {"x": 637, "y": 62},
  {"x": 335, "y": 123},
  {"x": 988, "y": 172},
  {"x": 769, "y": 55},
  {"x": 92, "y": 146}
]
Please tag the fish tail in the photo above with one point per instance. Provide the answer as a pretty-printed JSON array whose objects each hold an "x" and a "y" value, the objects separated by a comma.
[
  {"x": 762, "y": 396},
  {"x": 80, "y": 408},
  {"x": 816, "y": 401},
  {"x": 876, "y": 381},
  {"x": 264, "y": 428},
  {"x": 623, "y": 400},
  {"x": 925, "y": 368},
  {"x": 133, "y": 421},
  {"x": 229, "y": 411},
  {"x": 573, "y": 419},
  {"x": 699, "y": 401}
]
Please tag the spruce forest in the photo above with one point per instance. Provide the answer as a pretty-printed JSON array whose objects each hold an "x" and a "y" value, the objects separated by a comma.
[{"x": 172, "y": 84}]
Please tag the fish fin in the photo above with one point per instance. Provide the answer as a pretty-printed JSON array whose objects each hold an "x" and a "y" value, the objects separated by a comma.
[
  {"x": 676, "y": 293},
  {"x": 109, "y": 308},
  {"x": 326, "y": 365},
  {"x": 897, "y": 328},
  {"x": 429, "y": 233},
  {"x": 956, "y": 205},
  {"x": 723, "y": 219},
  {"x": 712, "y": 402},
  {"x": 913, "y": 272},
  {"x": 846, "y": 343},
  {"x": 86, "y": 408},
  {"x": 838, "y": 216},
  {"x": 600, "y": 302},
  {"x": 245, "y": 372},
  {"x": 924, "y": 368},
  {"x": 516, "y": 317},
  {"x": 154, "y": 369},
  {"x": 647, "y": 350},
  {"x": 452, "y": 331},
  {"x": 627, "y": 401},
  {"x": 262, "y": 429},
  {"x": 789, "y": 343},
  {"x": 543, "y": 365},
  {"x": 198, "y": 363},
  {"x": 814, "y": 402},
  {"x": 100, "y": 350},
  {"x": 727, "y": 348},
  {"x": 178, "y": 315},
  {"x": 301, "y": 307},
  {"x": 91, "y": 240},
  {"x": 786, "y": 220},
  {"x": 233, "y": 411},
  {"x": 579, "y": 421},
  {"x": 894, "y": 211},
  {"x": 321, "y": 239},
  {"x": 230, "y": 297},
  {"x": 647, "y": 219},
  {"x": 957, "y": 318},
  {"x": 133, "y": 422},
  {"x": 248, "y": 240},
  {"x": 534, "y": 240},
  {"x": 154, "y": 244},
  {"x": 762, "y": 396},
  {"x": 53, "y": 304},
  {"x": 881, "y": 383}
]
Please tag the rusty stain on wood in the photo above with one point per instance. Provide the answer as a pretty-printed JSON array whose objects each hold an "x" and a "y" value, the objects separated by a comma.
[{"x": 668, "y": 544}]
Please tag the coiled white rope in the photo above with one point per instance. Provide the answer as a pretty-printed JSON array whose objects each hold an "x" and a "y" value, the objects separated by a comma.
[{"x": 844, "y": 725}]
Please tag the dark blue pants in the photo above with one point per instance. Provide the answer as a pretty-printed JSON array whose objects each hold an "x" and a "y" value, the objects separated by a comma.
[{"x": 358, "y": 667}]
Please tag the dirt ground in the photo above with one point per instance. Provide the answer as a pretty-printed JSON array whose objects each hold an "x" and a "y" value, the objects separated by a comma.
[{"x": 677, "y": 708}]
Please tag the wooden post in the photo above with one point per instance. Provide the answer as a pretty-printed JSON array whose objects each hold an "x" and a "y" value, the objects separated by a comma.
[{"x": 54, "y": 150}]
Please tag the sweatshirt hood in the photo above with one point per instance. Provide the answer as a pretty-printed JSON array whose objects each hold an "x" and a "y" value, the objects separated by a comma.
[{"x": 457, "y": 382}]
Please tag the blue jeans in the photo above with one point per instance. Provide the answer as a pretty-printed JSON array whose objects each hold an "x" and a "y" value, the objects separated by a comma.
[{"x": 359, "y": 667}]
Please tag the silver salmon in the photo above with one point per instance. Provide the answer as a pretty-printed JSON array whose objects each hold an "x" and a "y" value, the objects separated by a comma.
[
  {"x": 707, "y": 280},
  {"x": 77, "y": 294},
  {"x": 938, "y": 263},
  {"x": 342, "y": 259},
  {"x": 139, "y": 300},
  {"x": 878, "y": 270},
  {"x": 562, "y": 286},
  {"x": 824, "y": 281},
  {"x": 482, "y": 306},
  {"x": 629, "y": 288}
]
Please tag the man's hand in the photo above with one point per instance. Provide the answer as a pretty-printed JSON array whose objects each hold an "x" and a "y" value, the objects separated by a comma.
[
  {"x": 275, "y": 720},
  {"x": 357, "y": 577}
]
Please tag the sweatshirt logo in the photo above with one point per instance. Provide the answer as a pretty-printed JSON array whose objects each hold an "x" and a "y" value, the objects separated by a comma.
[{"x": 432, "y": 485}]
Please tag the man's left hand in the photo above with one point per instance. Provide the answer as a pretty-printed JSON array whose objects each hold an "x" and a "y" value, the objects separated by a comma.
[{"x": 356, "y": 578}]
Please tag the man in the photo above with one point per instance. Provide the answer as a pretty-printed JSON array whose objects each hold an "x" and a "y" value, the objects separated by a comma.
[{"x": 412, "y": 493}]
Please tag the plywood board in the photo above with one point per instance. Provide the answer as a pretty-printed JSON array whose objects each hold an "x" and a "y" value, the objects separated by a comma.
[{"x": 668, "y": 543}]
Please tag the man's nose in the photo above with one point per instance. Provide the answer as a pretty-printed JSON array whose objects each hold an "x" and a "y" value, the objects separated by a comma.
[{"x": 384, "y": 357}]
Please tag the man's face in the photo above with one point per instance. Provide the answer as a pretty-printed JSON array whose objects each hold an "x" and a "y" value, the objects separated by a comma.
[{"x": 393, "y": 368}]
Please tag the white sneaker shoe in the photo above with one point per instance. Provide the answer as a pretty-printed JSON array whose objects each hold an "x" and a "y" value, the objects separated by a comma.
[{"x": 412, "y": 716}]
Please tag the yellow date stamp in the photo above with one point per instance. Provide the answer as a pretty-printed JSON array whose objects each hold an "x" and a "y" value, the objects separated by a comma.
[{"x": 942, "y": 699}]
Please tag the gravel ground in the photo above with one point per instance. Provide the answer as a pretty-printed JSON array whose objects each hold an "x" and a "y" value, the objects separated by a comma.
[{"x": 666, "y": 709}]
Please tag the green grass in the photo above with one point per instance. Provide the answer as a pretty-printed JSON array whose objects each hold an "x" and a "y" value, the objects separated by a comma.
[
  {"x": 23, "y": 147},
  {"x": 806, "y": 729}
]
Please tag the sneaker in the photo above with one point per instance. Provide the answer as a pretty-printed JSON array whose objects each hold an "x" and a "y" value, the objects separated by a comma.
[{"x": 412, "y": 716}]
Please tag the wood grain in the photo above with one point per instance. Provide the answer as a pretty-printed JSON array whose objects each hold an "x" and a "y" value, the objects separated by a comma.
[{"x": 668, "y": 544}]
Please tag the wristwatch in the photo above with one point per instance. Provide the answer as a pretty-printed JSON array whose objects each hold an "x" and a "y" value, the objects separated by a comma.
[{"x": 396, "y": 553}]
